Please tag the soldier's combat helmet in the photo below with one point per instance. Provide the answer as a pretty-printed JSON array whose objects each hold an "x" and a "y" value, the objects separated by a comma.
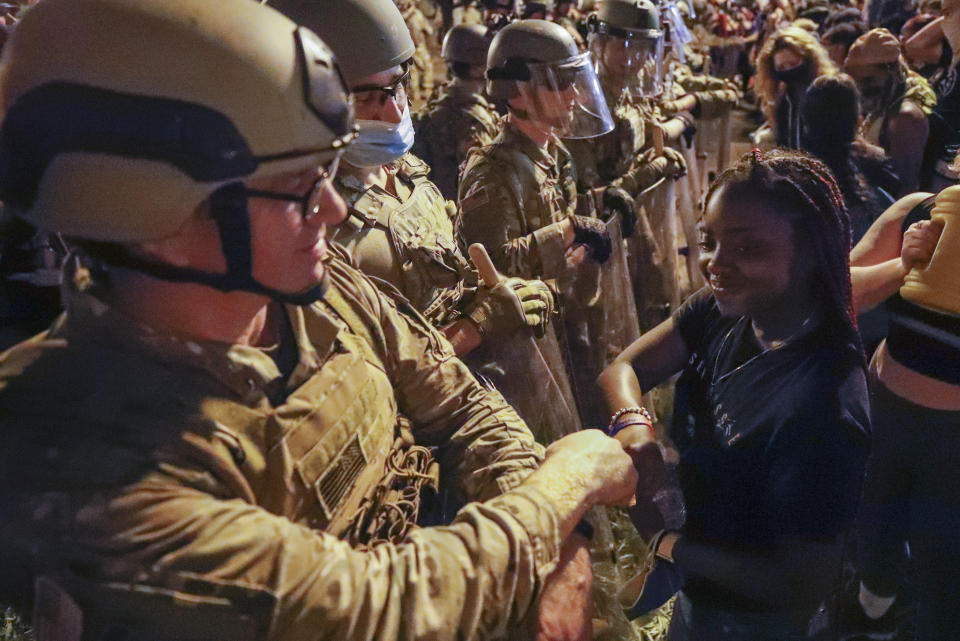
[
  {"x": 372, "y": 31},
  {"x": 466, "y": 44},
  {"x": 124, "y": 116},
  {"x": 627, "y": 42},
  {"x": 539, "y": 62}
]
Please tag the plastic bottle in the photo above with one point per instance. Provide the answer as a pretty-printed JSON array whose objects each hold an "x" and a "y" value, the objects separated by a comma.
[{"x": 937, "y": 286}]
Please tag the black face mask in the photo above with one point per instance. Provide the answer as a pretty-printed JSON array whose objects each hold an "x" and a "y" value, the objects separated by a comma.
[
  {"x": 874, "y": 99},
  {"x": 800, "y": 73}
]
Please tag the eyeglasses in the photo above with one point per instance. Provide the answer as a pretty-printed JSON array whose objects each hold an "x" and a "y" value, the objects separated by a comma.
[
  {"x": 396, "y": 90},
  {"x": 310, "y": 201}
]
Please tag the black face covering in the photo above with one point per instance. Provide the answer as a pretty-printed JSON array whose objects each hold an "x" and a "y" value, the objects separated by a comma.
[
  {"x": 798, "y": 74},
  {"x": 876, "y": 97}
]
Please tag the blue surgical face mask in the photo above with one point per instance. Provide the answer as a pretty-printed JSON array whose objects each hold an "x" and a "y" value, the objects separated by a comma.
[{"x": 379, "y": 143}]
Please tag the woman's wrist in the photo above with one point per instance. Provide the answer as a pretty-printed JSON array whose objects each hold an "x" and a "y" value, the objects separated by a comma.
[{"x": 628, "y": 417}]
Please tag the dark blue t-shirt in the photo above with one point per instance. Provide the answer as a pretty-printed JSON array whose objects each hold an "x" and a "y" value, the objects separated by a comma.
[{"x": 772, "y": 443}]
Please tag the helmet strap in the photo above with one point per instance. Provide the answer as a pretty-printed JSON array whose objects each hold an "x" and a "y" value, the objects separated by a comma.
[{"x": 228, "y": 206}]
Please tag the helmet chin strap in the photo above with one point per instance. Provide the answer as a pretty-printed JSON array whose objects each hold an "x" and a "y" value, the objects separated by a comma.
[{"x": 228, "y": 206}]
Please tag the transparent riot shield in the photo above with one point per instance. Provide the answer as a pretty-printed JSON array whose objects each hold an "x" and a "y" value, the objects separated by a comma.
[
  {"x": 651, "y": 274},
  {"x": 530, "y": 372},
  {"x": 688, "y": 212},
  {"x": 600, "y": 317}
]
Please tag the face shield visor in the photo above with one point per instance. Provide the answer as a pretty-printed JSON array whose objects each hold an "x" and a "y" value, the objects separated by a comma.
[
  {"x": 566, "y": 96},
  {"x": 631, "y": 60}
]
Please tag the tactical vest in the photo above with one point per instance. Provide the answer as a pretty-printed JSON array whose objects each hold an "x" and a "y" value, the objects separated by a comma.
[{"x": 420, "y": 230}]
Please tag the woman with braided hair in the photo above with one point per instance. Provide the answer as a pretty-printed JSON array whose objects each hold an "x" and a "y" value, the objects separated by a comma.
[{"x": 770, "y": 412}]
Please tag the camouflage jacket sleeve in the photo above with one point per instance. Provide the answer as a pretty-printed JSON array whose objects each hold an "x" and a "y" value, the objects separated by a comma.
[
  {"x": 495, "y": 209},
  {"x": 474, "y": 579}
]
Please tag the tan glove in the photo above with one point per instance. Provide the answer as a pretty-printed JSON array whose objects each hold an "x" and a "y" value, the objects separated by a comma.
[
  {"x": 651, "y": 167},
  {"x": 714, "y": 103},
  {"x": 513, "y": 304}
]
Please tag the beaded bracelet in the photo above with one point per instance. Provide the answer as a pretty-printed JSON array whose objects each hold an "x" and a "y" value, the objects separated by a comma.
[{"x": 613, "y": 428}]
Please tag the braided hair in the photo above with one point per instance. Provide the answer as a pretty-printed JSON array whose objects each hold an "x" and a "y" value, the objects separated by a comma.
[{"x": 802, "y": 189}]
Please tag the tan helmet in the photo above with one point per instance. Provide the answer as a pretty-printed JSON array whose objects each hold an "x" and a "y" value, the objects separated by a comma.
[
  {"x": 467, "y": 44},
  {"x": 539, "y": 63},
  {"x": 517, "y": 45},
  {"x": 123, "y": 116},
  {"x": 369, "y": 36},
  {"x": 627, "y": 42}
]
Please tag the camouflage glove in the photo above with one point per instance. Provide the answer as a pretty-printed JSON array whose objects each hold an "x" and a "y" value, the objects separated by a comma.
[
  {"x": 592, "y": 233},
  {"x": 514, "y": 303},
  {"x": 618, "y": 201},
  {"x": 653, "y": 167},
  {"x": 714, "y": 103}
]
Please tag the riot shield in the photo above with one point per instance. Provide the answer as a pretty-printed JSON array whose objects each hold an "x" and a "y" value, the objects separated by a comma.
[
  {"x": 661, "y": 208},
  {"x": 688, "y": 212},
  {"x": 600, "y": 317},
  {"x": 530, "y": 372},
  {"x": 650, "y": 273}
]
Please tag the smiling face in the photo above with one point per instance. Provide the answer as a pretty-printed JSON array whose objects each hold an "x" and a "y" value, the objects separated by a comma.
[
  {"x": 288, "y": 247},
  {"x": 748, "y": 256}
]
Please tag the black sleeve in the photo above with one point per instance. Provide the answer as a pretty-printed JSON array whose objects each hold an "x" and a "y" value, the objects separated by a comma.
[
  {"x": 921, "y": 211},
  {"x": 695, "y": 316},
  {"x": 946, "y": 54},
  {"x": 818, "y": 464}
]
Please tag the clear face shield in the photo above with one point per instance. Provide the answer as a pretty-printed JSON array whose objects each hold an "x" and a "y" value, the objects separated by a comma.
[
  {"x": 566, "y": 96},
  {"x": 632, "y": 61}
]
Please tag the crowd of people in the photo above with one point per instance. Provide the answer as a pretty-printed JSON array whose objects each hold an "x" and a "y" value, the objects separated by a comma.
[{"x": 396, "y": 319}]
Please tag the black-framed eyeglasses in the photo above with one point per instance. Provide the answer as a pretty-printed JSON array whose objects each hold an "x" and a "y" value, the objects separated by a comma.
[
  {"x": 398, "y": 90},
  {"x": 310, "y": 201}
]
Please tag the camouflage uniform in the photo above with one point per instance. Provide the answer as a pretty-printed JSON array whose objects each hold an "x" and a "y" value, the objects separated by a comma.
[
  {"x": 573, "y": 27},
  {"x": 604, "y": 160},
  {"x": 715, "y": 96},
  {"x": 511, "y": 193},
  {"x": 456, "y": 121},
  {"x": 421, "y": 69},
  {"x": 408, "y": 240},
  {"x": 189, "y": 485}
]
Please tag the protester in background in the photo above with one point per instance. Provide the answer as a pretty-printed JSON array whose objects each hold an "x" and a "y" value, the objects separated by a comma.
[
  {"x": 895, "y": 102},
  {"x": 838, "y": 39},
  {"x": 941, "y": 36},
  {"x": 788, "y": 62},
  {"x": 830, "y": 115}
]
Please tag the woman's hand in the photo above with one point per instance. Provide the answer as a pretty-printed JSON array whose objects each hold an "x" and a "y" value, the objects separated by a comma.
[{"x": 919, "y": 242}]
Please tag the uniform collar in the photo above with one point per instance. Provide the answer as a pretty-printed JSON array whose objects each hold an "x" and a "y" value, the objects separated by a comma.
[
  {"x": 544, "y": 157},
  {"x": 247, "y": 371}
]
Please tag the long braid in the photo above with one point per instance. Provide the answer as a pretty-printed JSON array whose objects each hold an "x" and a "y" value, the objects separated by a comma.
[{"x": 806, "y": 185}]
